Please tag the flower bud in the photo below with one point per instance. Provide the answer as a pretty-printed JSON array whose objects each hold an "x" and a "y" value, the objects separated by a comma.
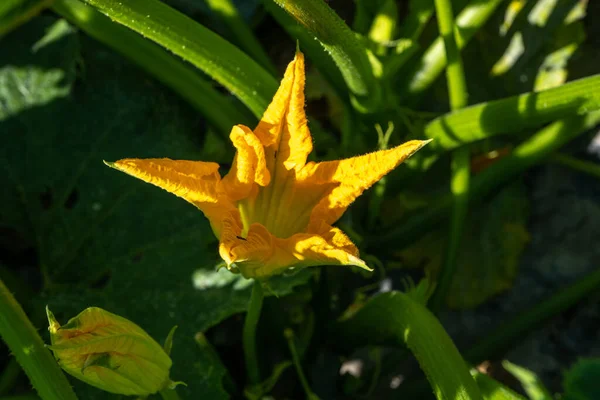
[{"x": 109, "y": 352}]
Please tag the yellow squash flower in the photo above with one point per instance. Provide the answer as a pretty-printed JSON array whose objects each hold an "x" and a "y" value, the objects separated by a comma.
[{"x": 274, "y": 210}]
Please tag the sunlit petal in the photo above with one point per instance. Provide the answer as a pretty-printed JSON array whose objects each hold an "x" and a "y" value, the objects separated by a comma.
[
  {"x": 261, "y": 254},
  {"x": 194, "y": 181},
  {"x": 352, "y": 176}
]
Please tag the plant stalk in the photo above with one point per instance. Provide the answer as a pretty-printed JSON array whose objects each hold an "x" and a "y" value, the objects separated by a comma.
[
  {"x": 249, "y": 333},
  {"x": 461, "y": 158},
  {"x": 342, "y": 44},
  {"x": 28, "y": 348}
]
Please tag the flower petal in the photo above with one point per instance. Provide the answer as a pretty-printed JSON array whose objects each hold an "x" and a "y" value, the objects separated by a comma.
[
  {"x": 194, "y": 181},
  {"x": 249, "y": 165},
  {"x": 352, "y": 176},
  {"x": 260, "y": 254},
  {"x": 283, "y": 127}
]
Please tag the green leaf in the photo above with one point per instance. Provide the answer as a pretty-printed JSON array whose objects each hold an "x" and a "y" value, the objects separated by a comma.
[
  {"x": 581, "y": 380},
  {"x": 396, "y": 318},
  {"x": 489, "y": 252},
  {"x": 219, "y": 110},
  {"x": 219, "y": 59},
  {"x": 513, "y": 115},
  {"x": 534, "y": 388},
  {"x": 101, "y": 238}
]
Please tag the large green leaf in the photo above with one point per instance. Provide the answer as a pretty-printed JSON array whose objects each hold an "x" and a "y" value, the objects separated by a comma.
[
  {"x": 489, "y": 253},
  {"x": 101, "y": 238}
]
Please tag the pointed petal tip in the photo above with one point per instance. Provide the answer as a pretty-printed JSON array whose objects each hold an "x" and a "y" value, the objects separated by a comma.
[
  {"x": 110, "y": 163},
  {"x": 357, "y": 262}
]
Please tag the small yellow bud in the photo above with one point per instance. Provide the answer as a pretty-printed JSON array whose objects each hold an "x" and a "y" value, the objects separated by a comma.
[{"x": 110, "y": 353}]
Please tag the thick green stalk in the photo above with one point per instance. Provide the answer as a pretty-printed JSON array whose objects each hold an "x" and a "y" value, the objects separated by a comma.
[
  {"x": 312, "y": 48},
  {"x": 422, "y": 75},
  {"x": 28, "y": 348},
  {"x": 398, "y": 318},
  {"x": 529, "y": 153},
  {"x": 342, "y": 44},
  {"x": 242, "y": 33},
  {"x": 218, "y": 58},
  {"x": 513, "y": 115},
  {"x": 461, "y": 158},
  {"x": 183, "y": 79},
  {"x": 514, "y": 329},
  {"x": 249, "y": 334}
]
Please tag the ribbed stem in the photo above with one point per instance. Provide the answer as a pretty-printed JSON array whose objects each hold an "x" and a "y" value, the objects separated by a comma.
[
  {"x": 249, "y": 334},
  {"x": 28, "y": 348},
  {"x": 460, "y": 181}
]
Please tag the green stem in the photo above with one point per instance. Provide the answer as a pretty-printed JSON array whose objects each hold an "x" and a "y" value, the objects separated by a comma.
[
  {"x": 342, "y": 44},
  {"x": 289, "y": 336},
  {"x": 424, "y": 73},
  {"x": 183, "y": 79},
  {"x": 514, "y": 115},
  {"x": 249, "y": 334},
  {"x": 313, "y": 49},
  {"x": 28, "y": 348},
  {"x": 461, "y": 158},
  {"x": 516, "y": 328},
  {"x": 243, "y": 35},
  {"x": 529, "y": 153},
  {"x": 218, "y": 58},
  {"x": 587, "y": 167}
]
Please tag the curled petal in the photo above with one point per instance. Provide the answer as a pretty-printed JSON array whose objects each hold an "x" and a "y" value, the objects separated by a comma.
[{"x": 249, "y": 165}]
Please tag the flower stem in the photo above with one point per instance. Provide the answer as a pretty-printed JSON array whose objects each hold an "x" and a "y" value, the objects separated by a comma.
[
  {"x": 249, "y": 334},
  {"x": 29, "y": 350},
  {"x": 289, "y": 335}
]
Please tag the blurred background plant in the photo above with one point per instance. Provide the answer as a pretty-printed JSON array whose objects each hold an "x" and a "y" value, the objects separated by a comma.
[{"x": 498, "y": 218}]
